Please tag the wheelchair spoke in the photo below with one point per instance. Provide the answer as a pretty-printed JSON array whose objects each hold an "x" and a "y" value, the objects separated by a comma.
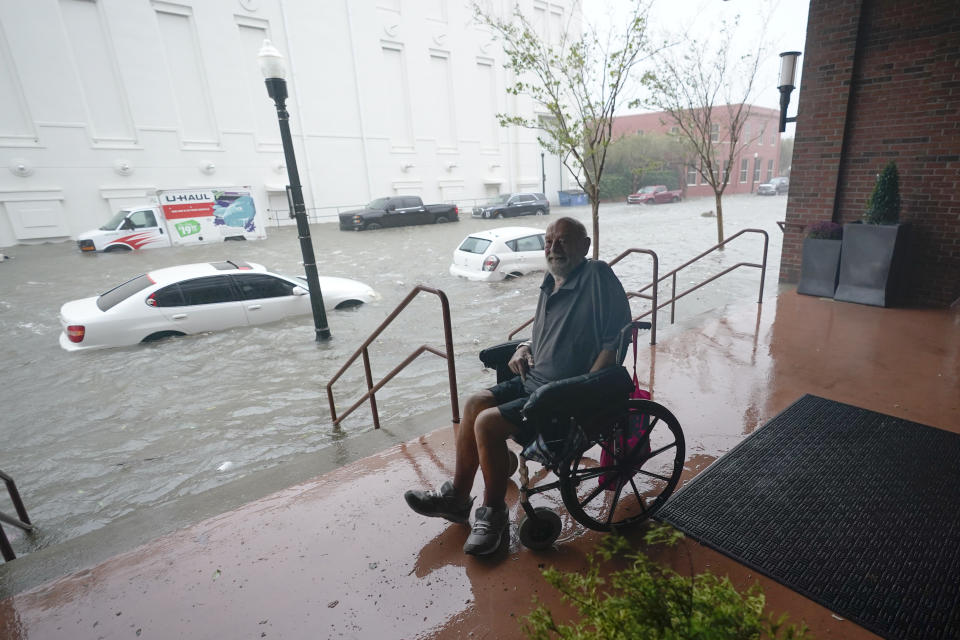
[
  {"x": 654, "y": 475},
  {"x": 614, "y": 502},
  {"x": 591, "y": 496},
  {"x": 640, "y": 500}
]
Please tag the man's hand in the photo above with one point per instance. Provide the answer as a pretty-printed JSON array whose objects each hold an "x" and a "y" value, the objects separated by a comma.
[{"x": 521, "y": 361}]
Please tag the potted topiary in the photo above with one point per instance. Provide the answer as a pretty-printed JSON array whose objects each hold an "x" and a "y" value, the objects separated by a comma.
[
  {"x": 873, "y": 259},
  {"x": 821, "y": 259}
]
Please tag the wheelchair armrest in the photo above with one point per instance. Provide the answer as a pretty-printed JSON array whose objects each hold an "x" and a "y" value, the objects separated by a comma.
[
  {"x": 497, "y": 357},
  {"x": 580, "y": 396}
]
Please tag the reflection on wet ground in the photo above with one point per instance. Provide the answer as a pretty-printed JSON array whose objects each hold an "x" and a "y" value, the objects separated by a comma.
[{"x": 92, "y": 437}]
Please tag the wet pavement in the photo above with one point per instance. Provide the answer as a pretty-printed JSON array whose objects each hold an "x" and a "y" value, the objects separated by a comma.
[
  {"x": 156, "y": 436},
  {"x": 340, "y": 556}
]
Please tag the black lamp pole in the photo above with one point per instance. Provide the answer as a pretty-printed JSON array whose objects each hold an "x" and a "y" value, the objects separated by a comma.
[
  {"x": 543, "y": 173},
  {"x": 788, "y": 70},
  {"x": 277, "y": 90}
]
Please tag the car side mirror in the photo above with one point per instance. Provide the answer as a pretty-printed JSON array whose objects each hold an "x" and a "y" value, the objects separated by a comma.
[
  {"x": 299, "y": 291},
  {"x": 391, "y": 207},
  {"x": 127, "y": 224}
]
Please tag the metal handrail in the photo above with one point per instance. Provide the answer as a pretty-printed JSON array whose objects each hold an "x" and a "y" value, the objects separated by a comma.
[
  {"x": 23, "y": 522},
  {"x": 637, "y": 294},
  {"x": 673, "y": 275},
  {"x": 373, "y": 388}
]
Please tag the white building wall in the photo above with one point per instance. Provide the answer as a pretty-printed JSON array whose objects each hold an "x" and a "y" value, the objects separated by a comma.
[{"x": 103, "y": 101}]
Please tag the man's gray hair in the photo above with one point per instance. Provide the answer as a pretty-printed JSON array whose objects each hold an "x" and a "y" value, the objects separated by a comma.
[{"x": 573, "y": 222}]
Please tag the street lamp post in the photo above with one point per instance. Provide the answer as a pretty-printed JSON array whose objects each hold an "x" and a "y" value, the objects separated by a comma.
[
  {"x": 274, "y": 72},
  {"x": 543, "y": 173},
  {"x": 788, "y": 72}
]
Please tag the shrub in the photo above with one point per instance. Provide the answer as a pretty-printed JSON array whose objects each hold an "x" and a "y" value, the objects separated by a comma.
[
  {"x": 825, "y": 230},
  {"x": 884, "y": 204},
  {"x": 646, "y": 600}
]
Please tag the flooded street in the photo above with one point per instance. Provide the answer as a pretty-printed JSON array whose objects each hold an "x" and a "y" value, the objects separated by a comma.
[{"x": 93, "y": 436}]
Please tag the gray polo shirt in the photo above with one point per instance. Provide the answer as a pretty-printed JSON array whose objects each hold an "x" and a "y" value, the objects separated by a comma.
[{"x": 575, "y": 323}]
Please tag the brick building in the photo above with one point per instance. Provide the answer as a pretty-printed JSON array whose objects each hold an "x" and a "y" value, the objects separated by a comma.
[
  {"x": 758, "y": 162},
  {"x": 881, "y": 82}
]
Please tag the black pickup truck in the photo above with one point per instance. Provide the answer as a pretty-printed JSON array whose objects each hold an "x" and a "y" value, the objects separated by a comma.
[{"x": 397, "y": 211}]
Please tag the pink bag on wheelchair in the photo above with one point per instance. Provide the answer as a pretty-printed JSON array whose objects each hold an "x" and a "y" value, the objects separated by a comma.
[{"x": 637, "y": 428}]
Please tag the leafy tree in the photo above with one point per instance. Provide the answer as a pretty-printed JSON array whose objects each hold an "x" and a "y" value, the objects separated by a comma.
[
  {"x": 578, "y": 82},
  {"x": 705, "y": 90},
  {"x": 884, "y": 204}
]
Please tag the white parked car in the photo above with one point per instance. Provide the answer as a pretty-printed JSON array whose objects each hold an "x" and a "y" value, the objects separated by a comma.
[
  {"x": 196, "y": 298},
  {"x": 499, "y": 253}
]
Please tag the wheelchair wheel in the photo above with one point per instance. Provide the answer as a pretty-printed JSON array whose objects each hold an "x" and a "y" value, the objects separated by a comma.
[
  {"x": 540, "y": 532},
  {"x": 629, "y": 484}
]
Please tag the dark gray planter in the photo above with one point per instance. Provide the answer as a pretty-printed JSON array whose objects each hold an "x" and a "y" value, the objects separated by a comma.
[
  {"x": 820, "y": 267},
  {"x": 872, "y": 264}
]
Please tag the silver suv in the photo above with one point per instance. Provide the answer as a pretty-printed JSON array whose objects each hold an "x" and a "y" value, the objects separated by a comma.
[{"x": 509, "y": 205}]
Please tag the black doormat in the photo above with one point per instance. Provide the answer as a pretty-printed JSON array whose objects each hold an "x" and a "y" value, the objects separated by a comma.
[{"x": 854, "y": 509}]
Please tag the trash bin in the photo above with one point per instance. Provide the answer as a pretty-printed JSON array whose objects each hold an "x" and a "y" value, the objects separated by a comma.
[{"x": 572, "y": 197}]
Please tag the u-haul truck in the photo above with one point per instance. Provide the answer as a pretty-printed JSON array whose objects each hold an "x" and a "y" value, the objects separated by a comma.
[{"x": 180, "y": 216}]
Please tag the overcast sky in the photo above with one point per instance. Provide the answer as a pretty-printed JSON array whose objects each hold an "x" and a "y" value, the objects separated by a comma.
[{"x": 786, "y": 30}]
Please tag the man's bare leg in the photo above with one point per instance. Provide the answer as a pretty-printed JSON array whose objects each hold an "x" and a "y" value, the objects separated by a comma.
[
  {"x": 466, "y": 442},
  {"x": 491, "y": 433}
]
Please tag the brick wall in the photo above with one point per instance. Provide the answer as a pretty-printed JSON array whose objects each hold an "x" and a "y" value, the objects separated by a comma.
[
  {"x": 766, "y": 149},
  {"x": 881, "y": 82}
]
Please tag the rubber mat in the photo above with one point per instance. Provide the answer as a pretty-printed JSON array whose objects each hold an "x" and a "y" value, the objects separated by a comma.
[{"x": 857, "y": 510}]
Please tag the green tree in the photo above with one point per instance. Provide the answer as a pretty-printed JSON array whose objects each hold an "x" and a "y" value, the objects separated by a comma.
[
  {"x": 578, "y": 82},
  {"x": 705, "y": 90},
  {"x": 651, "y": 158},
  {"x": 884, "y": 204}
]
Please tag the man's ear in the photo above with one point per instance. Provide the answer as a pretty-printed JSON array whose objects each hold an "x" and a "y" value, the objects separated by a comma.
[{"x": 586, "y": 245}]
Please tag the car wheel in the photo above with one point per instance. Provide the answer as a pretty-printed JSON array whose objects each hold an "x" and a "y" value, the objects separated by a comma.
[
  {"x": 372, "y": 226},
  {"x": 675, "y": 199},
  {"x": 440, "y": 220},
  {"x": 649, "y": 201},
  {"x": 539, "y": 212},
  {"x": 499, "y": 216},
  {"x": 117, "y": 247},
  {"x": 162, "y": 335},
  {"x": 349, "y": 304}
]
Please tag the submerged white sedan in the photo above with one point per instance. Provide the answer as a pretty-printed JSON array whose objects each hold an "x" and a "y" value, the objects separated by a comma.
[
  {"x": 505, "y": 252},
  {"x": 196, "y": 298}
]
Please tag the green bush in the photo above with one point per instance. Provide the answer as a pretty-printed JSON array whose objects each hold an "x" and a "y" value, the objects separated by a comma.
[
  {"x": 666, "y": 176},
  {"x": 646, "y": 601},
  {"x": 884, "y": 204},
  {"x": 615, "y": 186}
]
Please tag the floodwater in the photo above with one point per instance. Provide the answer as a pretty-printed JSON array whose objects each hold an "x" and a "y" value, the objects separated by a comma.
[{"x": 93, "y": 436}]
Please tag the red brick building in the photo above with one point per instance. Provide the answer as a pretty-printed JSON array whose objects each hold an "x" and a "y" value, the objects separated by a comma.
[
  {"x": 881, "y": 82},
  {"x": 759, "y": 161}
]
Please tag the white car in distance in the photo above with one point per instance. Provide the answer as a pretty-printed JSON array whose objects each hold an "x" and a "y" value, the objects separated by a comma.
[
  {"x": 500, "y": 253},
  {"x": 196, "y": 298}
]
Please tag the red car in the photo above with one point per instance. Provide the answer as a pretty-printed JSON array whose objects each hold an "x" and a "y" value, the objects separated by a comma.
[{"x": 654, "y": 194}]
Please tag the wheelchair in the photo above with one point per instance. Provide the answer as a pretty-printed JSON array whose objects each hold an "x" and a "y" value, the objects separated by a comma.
[{"x": 615, "y": 459}]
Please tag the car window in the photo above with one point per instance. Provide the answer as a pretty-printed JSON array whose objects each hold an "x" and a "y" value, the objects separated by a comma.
[
  {"x": 141, "y": 219},
  {"x": 411, "y": 202},
  {"x": 120, "y": 293},
  {"x": 169, "y": 296},
  {"x": 474, "y": 245},
  {"x": 529, "y": 243},
  {"x": 209, "y": 290},
  {"x": 259, "y": 285},
  {"x": 539, "y": 196}
]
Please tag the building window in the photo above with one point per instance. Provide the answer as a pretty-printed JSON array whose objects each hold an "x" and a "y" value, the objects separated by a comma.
[
  {"x": 714, "y": 133},
  {"x": 763, "y": 133},
  {"x": 743, "y": 171},
  {"x": 674, "y": 131},
  {"x": 746, "y": 132},
  {"x": 769, "y": 170},
  {"x": 756, "y": 169},
  {"x": 691, "y": 175}
]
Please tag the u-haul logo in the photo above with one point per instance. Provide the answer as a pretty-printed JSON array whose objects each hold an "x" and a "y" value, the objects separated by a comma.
[{"x": 188, "y": 197}]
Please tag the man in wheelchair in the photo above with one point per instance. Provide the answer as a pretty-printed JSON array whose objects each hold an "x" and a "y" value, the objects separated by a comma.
[{"x": 576, "y": 330}]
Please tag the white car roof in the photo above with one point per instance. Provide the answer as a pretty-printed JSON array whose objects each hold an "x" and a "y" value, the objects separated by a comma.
[
  {"x": 185, "y": 271},
  {"x": 506, "y": 233}
]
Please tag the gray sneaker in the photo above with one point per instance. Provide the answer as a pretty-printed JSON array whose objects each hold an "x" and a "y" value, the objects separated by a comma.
[
  {"x": 442, "y": 504},
  {"x": 488, "y": 527}
]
